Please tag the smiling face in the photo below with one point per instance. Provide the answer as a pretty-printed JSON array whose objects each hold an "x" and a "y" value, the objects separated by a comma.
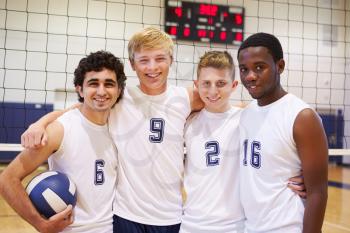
[
  {"x": 260, "y": 74},
  {"x": 100, "y": 91},
  {"x": 215, "y": 87},
  {"x": 152, "y": 69}
]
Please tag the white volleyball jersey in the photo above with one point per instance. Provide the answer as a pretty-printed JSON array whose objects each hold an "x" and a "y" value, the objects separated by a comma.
[
  {"x": 88, "y": 156},
  {"x": 268, "y": 158},
  {"x": 211, "y": 177},
  {"x": 148, "y": 132}
]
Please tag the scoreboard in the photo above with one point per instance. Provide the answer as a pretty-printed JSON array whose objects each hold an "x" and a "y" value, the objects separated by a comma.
[{"x": 195, "y": 21}]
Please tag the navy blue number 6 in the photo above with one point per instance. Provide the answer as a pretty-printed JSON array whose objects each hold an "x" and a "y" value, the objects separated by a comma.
[
  {"x": 255, "y": 156},
  {"x": 156, "y": 127},
  {"x": 99, "y": 175}
]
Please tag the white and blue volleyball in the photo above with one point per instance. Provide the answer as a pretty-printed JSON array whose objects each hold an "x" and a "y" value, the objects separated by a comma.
[{"x": 51, "y": 192}]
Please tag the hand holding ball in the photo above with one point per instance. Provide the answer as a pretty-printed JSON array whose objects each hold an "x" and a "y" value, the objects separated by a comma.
[{"x": 51, "y": 192}]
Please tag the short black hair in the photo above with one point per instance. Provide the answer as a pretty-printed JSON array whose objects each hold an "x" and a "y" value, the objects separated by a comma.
[
  {"x": 265, "y": 40},
  {"x": 97, "y": 61}
]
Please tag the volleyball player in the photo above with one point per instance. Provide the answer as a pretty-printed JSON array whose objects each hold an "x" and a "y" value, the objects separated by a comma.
[
  {"x": 280, "y": 134},
  {"x": 147, "y": 127},
  {"x": 211, "y": 178},
  {"x": 80, "y": 146}
]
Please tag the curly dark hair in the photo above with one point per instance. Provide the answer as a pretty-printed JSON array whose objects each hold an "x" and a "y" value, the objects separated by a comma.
[{"x": 97, "y": 61}]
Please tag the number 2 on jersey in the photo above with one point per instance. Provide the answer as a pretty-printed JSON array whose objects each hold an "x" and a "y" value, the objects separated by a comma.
[
  {"x": 254, "y": 152},
  {"x": 212, "y": 153},
  {"x": 156, "y": 127}
]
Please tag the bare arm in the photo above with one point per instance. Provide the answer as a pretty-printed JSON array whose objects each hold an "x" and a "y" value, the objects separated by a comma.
[
  {"x": 35, "y": 136},
  {"x": 312, "y": 147},
  {"x": 14, "y": 193},
  {"x": 196, "y": 102}
]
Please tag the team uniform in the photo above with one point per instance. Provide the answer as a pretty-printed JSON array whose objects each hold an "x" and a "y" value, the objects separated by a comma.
[
  {"x": 268, "y": 158},
  {"x": 148, "y": 132},
  {"x": 88, "y": 156},
  {"x": 211, "y": 177}
]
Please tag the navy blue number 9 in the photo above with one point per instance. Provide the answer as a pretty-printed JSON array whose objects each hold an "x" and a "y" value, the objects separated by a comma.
[
  {"x": 99, "y": 175},
  {"x": 212, "y": 155},
  {"x": 156, "y": 127}
]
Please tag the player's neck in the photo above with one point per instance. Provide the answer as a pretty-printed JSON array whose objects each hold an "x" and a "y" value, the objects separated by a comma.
[
  {"x": 224, "y": 108},
  {"x": 151, "y": 91},
  {"x": 272, "y": 97},
  {"x": 96, "y": 117}
]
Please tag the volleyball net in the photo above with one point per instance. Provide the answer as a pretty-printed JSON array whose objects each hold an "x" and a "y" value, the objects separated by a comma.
[{"x": 41, "y": 44}]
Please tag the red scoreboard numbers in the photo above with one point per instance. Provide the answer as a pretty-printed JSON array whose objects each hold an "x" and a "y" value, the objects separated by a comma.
[{"x": 204, "y": 22}]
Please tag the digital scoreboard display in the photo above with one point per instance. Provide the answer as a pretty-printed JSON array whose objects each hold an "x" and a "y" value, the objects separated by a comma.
[{"x": 204, "y": 22}]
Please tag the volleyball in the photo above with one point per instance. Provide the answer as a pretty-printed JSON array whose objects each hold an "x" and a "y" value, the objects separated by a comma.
[{"x": 51, "y": 192}]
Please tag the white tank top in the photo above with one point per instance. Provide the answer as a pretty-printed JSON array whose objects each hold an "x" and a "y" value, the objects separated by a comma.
[
  {"x": 148, "y": 132},
  {"x": 211, "y": 177},
  {"x": 268, "y": 158},
  {"x": 88, "y": 156}
]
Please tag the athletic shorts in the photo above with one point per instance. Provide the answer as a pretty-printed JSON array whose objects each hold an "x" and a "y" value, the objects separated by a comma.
[{"x": 122, "y": 225}]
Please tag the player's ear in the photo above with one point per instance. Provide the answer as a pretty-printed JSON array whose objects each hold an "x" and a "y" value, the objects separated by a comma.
[
  {"x": 119, "y": 91},
  {"x": 234, "y": 84},
  {"x": 280, "y": 66},
  {"x": 79, "y": 89},
  {"x": 132, "y": 63},
  {"x": 195, "y": 83}
]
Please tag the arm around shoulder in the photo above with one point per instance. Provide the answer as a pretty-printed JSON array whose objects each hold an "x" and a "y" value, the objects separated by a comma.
[
  {"x": 35, "y": 136},
  {"x": 312, "y": 147}
]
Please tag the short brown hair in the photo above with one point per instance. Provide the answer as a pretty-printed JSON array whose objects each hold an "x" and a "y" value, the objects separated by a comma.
[{"x": 217, "y": 59}]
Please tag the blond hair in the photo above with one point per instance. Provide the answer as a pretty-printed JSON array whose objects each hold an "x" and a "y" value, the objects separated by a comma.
[
  {"x": 218, "y": 60},
  {"x": 150, "y": 38}
]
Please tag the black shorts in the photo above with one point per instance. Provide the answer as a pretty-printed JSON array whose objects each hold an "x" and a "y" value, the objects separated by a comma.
[{"x": 122, "y": 225}]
